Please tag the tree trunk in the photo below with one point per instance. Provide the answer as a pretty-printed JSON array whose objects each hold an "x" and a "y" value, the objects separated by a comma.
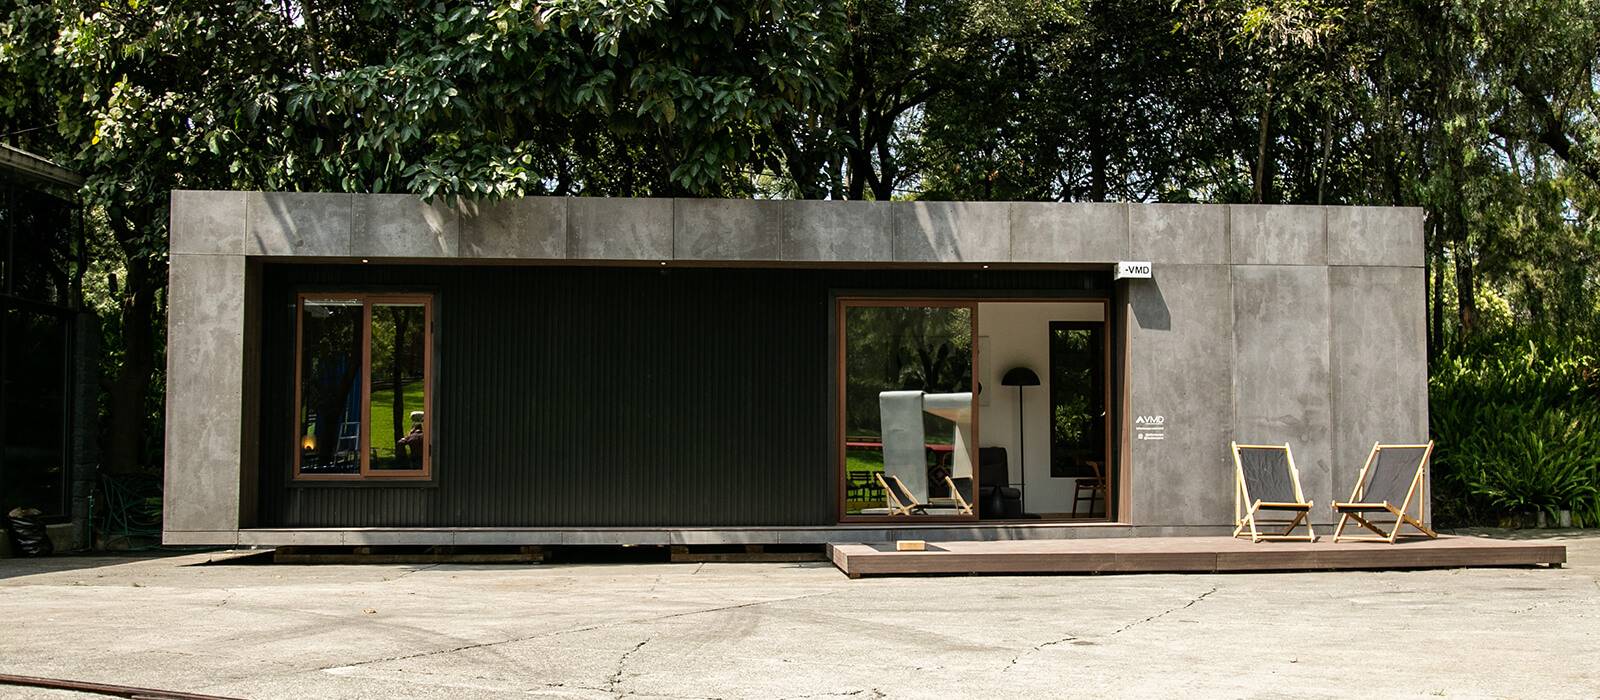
[
  {"x": 1436, "y": 337},
  {"x": 1327, "y": 152},
  {"x": 128, "y": 390},
  {"x": 1466, "y": 291},
  {"x": 397, "y": 397},
  {"x": 1261, "y": 146}
]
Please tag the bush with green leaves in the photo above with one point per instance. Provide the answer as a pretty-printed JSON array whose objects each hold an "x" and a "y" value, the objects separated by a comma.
[{"x": 1518, "y": 430}]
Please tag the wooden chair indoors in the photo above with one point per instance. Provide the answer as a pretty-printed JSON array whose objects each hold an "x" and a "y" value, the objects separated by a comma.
[
  {"x": 1089, "y": 490},
  {"x": 1265, "y": 480},
  {"x": 1390, "y": 482}
]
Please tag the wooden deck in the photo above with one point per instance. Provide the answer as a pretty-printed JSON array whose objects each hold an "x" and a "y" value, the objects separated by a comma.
[{"x": 1186, "y": 555}]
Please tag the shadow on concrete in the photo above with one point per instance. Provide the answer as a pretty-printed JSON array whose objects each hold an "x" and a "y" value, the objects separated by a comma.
[
  {"x": 1502, "y": 533},
  {"x": 16, "y": 567},
  {"x": 1149, "y": 306}
]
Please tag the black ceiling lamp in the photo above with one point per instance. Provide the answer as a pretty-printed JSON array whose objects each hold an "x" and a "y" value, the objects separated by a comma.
[{"x": 1020, "y": 377}]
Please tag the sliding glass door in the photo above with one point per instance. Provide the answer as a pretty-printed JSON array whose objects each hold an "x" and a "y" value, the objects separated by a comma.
[
  {"x": 967, "y": 408},
  {"x": 906, "y": 408}
]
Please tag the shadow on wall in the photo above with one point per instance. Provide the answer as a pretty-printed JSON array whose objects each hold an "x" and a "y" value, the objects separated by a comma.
[{"x": 1149, "y": 306}]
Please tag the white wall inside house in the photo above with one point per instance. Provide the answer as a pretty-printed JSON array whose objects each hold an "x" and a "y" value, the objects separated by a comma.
[{"x": 1018, "y": 334}]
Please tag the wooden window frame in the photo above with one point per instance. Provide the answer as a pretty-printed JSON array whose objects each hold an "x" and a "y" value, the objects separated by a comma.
[{"x": 368, "y": 300}]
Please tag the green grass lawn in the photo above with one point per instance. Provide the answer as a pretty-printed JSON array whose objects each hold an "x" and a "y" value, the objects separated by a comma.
[{"x": 383, "y": 436}]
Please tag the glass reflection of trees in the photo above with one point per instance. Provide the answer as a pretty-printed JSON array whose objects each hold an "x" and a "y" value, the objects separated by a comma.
[
  {"x": 398, "y": 393},
  {"x": 1077, "y": 398},
  {"x": 330, "y": 389},
  {"x": 371, "y": 349},
  {"x": 897, "y": 348}
]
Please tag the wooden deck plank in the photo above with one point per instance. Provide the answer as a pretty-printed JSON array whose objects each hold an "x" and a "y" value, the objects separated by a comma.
[{"x": 1187, "y": 555}]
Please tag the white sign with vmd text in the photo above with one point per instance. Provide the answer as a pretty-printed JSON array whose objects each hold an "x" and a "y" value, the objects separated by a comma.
[{"x": 1133, "y": 270}]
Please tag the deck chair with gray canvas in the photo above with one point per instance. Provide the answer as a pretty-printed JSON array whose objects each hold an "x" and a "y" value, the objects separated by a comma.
[
  {"x": 1389, "y": 486},
  {"x": 901, "y": 502},
  {"x": 1266, "y": 481}
]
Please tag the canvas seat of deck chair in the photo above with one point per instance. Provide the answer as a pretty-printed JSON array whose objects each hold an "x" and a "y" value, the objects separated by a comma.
[
  {"x": 963, "y": 506},
  {"x": 901, "y": 502},
  {"x": 1266, "y": 481},
  {"x": 1389, "y": 484}
]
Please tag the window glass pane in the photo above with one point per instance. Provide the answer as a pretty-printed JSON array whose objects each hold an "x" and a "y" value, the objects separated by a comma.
[
  {"x": 908, "y": 410},
  {"x": 41, "y": 267},
  {"x": 399, "y": 386},
  {"x": 35, "y": 466},
  {"x": 330, "y": 386},
  {"x": 1077, "y": 400}
]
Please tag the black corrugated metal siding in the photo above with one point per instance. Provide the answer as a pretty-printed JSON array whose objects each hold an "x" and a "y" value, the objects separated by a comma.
[{"x": 572, "y": 397}]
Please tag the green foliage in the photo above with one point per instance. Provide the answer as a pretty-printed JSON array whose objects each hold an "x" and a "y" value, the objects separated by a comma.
[
  {"x": 1485, "y": 113},
  {"x": 1518, "y": 431}
]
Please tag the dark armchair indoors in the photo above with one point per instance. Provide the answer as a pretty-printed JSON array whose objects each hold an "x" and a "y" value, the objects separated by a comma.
[{"x": 997, "y": 499}]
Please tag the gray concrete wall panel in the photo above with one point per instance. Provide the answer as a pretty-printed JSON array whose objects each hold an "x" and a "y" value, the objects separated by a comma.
[
  {"x": 1375, "y": 236},
  {"x": 208, "y": 222},
  {"x": 1277, "y": 234},
  {"x": 926, "y": 232},
  {"x": 837, "y": 231},
  {"x": 205, "y": 350},
  {"x": 1380, "y": 369},
  {"x": 531, "y": 227},
  {"x": 726, "y": 229},
  {"x": 1171, "y": 234},
  {"x": 619, "y": 229},
  {"x": 1180, "y": 369},
  {"x": 311, "y": 224},
  {"x": 1069, "y": 232},
  {"x": 1281, "y": 372},
  {"x": 403, "y": 226}
]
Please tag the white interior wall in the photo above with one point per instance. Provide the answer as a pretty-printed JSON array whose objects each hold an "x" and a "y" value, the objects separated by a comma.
[{"x": 1018, "y": 334}]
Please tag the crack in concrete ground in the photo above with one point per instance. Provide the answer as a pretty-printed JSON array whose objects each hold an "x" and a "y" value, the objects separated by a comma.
[
  {"x": 1164, "y": 613},
  {"x": 575, "y": 630},
  {"x": 1036, "y": 648},
  {"x": 408, "y": 573},
  {"x": 838, "y": 694},
  {"x": 622, "y": 661}
]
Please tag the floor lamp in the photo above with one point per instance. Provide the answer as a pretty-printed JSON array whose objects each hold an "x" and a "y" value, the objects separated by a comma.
[{"x": 1020, "y": 377}]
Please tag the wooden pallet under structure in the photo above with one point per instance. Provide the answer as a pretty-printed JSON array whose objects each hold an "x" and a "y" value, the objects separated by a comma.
[{"x": 1186, "y": 555}]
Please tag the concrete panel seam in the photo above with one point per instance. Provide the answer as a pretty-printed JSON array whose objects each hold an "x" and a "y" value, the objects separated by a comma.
[
  {"x": 1011, "y": 240},
  {"x": 1324, "y": 212},
  {"x": 350, "y": 237},
  {"x": 568, "y": 204},
  {"x": 1227, "y": 242},
  {"x": 1127, "y": 229},
  {"x": 1332, "y": 390},
  {"x": 1379, "y": 267},
  {"x": 894, "y": 231},
  {"x": 1233, "y": 353}
]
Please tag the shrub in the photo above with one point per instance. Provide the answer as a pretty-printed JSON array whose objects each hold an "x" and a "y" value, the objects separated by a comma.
[{"x": 1517, "y": 426}]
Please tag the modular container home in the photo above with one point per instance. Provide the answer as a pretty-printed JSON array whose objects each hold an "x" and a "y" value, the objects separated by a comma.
[{"x": 378, "y": 370}]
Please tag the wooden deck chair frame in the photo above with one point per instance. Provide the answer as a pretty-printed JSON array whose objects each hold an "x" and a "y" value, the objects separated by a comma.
[
  {"x": 896, "y": 506},
  {"x": 962, "y": 506},
  {"x": 1246, "y": 509},
  {"x": 1356, "y": 508}
]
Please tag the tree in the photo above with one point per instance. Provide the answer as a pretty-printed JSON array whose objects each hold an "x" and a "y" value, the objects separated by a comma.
[{"x": 622, "y": 97}]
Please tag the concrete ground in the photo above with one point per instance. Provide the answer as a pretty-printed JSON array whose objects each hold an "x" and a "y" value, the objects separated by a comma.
[{"x": 790, "y": 631}]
